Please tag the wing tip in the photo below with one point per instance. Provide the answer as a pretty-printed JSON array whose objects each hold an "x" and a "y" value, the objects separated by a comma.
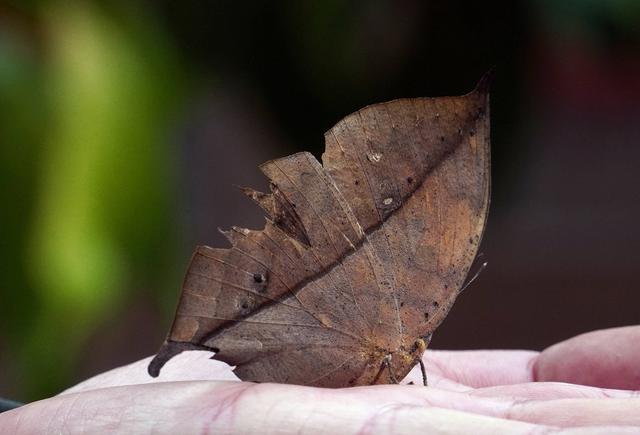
[{"x": 484, "y": 84}]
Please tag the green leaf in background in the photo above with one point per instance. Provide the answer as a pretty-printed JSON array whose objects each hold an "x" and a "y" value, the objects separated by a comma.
[{"x": 102, "y": 225}]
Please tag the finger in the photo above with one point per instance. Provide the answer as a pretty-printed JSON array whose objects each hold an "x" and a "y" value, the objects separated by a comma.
[
  {"x": 187, "y": 366},
  {"x": 551, "y": 391},
  {"x": 607, "y": 358},
  {"x": 578, "y": 412},
  {"x": 481, "y": 368},
  {"x": 214, "y": 407}
]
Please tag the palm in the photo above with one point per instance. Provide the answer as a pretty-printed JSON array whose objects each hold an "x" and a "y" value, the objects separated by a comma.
[{"x": 479, "y": 391}]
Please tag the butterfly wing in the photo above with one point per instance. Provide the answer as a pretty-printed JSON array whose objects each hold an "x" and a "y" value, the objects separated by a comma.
[{"x": 362, "y": 254}]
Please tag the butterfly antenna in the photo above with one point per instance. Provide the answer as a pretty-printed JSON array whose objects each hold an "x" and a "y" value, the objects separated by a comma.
[{"x": 475, "y": 276}]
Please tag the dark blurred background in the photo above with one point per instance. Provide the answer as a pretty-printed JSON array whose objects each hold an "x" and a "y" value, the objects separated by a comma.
[{"x": 125, "y": 124}]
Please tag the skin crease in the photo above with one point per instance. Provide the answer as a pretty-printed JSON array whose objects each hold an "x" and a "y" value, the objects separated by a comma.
[{"x": 482, "y": 392}]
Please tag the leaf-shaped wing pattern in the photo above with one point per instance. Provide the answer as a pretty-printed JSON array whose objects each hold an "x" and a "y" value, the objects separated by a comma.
[{"x": 361, "y": 256}]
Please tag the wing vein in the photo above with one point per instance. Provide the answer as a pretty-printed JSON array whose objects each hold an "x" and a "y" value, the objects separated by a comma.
[
  {"x": 258, "y": 322},
  {"x": 346, "y": 276}
]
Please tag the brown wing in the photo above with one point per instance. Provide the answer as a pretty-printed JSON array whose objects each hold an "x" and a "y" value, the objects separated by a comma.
[{"x": 363, "y": 254}]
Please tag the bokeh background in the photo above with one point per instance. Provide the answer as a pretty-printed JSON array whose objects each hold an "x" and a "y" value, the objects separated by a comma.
[{"x": 125, "y": 124}]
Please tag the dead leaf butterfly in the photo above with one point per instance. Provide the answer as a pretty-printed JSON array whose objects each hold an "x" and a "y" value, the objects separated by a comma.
[{"x": 362, "y": 255}]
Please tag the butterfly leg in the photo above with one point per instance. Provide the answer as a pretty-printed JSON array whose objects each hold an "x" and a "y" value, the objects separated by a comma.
[
  {"x": 420, "y": 346},
  {"x": 392, "y": 377},
  {"x": 424, "y": 373}
]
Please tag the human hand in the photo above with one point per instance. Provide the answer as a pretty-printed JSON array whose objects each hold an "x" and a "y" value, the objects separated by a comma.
[{"x": 587, "y": 384}]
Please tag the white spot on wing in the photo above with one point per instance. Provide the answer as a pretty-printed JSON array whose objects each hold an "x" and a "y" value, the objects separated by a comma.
[{"x": 374, "y": 157}]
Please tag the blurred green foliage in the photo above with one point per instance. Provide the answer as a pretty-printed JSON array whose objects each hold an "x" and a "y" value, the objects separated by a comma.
[{"x": 87, "y": 176}]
